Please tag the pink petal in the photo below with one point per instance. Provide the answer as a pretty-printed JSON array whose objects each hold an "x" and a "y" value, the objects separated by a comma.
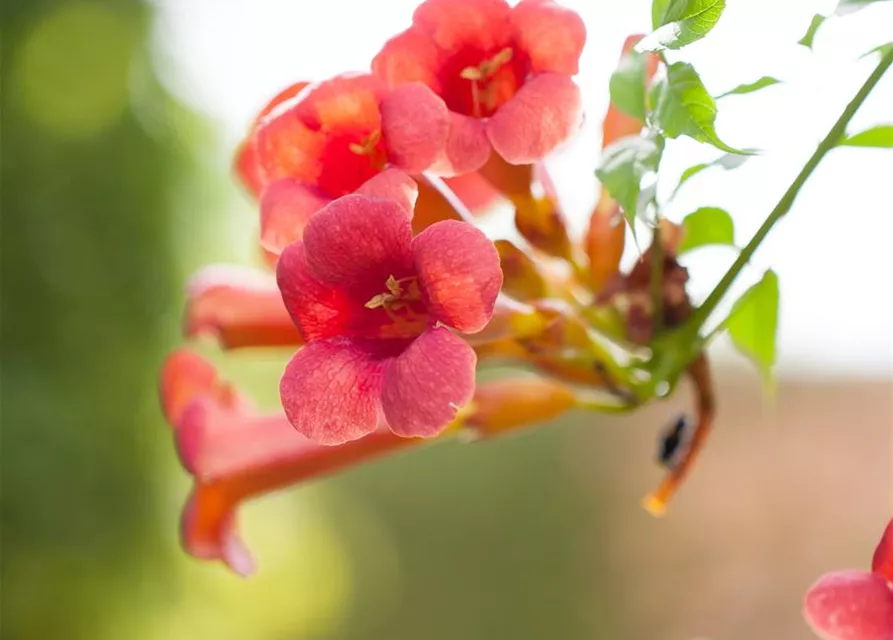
[
  {"x": 454, "y": 24},
  {"x": 544, "y": 113},
  {"x": 346, "y": 102},
  {"x": 408, "y": 57},
  {"x": 208, "y": 530},
  {"x": 358, "y": 242},
  {"x": 185, "y": 377},
  {"x": 467, "y": 148},
  {"x": 882, "y": 562},
  {"x": 552, "y": 36},
  {"x": 278, "y": 103},
  {"x": 331, "y": 390},
  {"x": 415, "y": 126},
  {"x": 425, "y": 385},
  {"x": 286, "y": 207},
  {"x": 319, "y": 310},
  {"x": 459, "y": 274},
  {"x": 248, "y": 168},
  {"x": 241, "y": 307},
  {"x": 850, "y": 605},
  {"x": 392, "y": 184}
]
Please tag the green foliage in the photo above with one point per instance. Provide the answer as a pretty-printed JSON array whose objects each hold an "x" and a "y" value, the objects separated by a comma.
[
  {"x": 809, "y": 36},
  {"x": 726, "y": 161},
  {"x": 753, "y": 325},
  {"x": 845, "y": 7},
  {"x": 627, "y": 85},
  {"x": 880, "y": 136},
  {"x": 678, "y": 23},
  {"x": 624, "y": 164},
  {"x": 881, "y": 49},
  {"x": 762, "y": 83},
  {"x": 707, "y": 226},
  {"x": 682, "y": 106}
]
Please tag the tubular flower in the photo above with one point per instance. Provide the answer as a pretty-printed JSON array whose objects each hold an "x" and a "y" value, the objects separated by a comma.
[
  {"x": 855, "y": 605},
  {"x": 240, "y": 307},
  {"x": 503, "y": 72},
  {"x": 375, "y": 306},
  {"x": 315, "y": 143}
]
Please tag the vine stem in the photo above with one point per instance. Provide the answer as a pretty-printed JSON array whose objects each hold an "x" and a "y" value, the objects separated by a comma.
[{"x": 693, "y": 325}]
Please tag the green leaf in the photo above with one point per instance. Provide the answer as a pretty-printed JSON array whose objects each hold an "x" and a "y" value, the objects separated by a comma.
[
  {"x": 706, "y": 226},
  {"x": 658, "y": 8},
  {"x": 753, "y": 324},
  {"x": 881, "y": 50},
  {"x": 627, "y": 85},
  {"x": 845, "y": 7},
  {"x": 879, "y": 136},
  {"x": 762, "y": 83},
  {"x": 726, "y": 161},
  {"x": 808, "y": 37},
  {"x": 682, "y": 106},
  {"x": 624, "y": 164},
  {"x": 680, "y": 22}
]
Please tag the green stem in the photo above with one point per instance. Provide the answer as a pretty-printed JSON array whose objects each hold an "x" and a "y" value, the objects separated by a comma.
[{"x": 694, "y": 324}]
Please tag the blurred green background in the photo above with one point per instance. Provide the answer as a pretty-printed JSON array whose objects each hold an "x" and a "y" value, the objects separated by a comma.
[{"x": 108, "y": 204}]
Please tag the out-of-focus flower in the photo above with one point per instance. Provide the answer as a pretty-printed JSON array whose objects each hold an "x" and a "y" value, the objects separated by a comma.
[
  {"x": 241, "y": 307},
  {"x": 235, "y": 453},
  {"x": 855, "y": 605},
  {"x": 375, "y": 306},
  {"x": 504, "y": 73}
]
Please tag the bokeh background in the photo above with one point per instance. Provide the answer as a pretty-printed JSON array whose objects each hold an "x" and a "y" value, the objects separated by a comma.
[{"x": 119, "y": 121}]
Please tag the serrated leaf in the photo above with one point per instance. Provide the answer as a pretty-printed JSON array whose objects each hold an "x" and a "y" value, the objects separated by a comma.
[
  {"x": 623, "y": 165},
  {"x": 627, "y": 85},
  {"x": 727, "y": 161},
  {"x": 707, "y": 226},
  {"x": 678, "y": 23},
  {"x": 809, "y": 36},
  {"x": 753, "y": 325},
  {"x": 845, "y": 7},
  {"x": 880, "y": 136},
  {"x": 682, "y": 106},
  {"x": 762, "y": 83}
]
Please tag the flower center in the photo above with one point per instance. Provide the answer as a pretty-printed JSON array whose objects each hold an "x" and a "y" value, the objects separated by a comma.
[
  {"x": 402, "y": 303},
  {"x": 482, "y": 90}
]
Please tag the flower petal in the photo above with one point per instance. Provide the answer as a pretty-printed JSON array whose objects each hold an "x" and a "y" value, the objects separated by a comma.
[
  {"x": 456, "y": 23},
  {"x": 544, "y": 113},
  {"x": 286, "y": 147},
  {"x": 850, "y": 605},
  {"x": 358, "y": 242},
  {"x": 415, "y": 126},
  {"x": 319, "y": 310},
  {"x": 459, "y": 274},
  {"x": 472, "y": 189},
  {"x": 240, "y": 307},
  {"x": 331, "y": 390},
  {"x": 208, "y": 529},
  {"x": 286, "y": 207},
  {"x": 392, "y": 184},
  {"x": 348, "y": 102},
  {"x": 248, "y": 168},
  {"x": 882, "y": 562},
  {"x": 467, "y": 147},
  {"x": 286, "y": 95},
  {"x": 408, "y": 57},
  {"x": 551, "y": 35},
  {"x": 425, "y": 385},
  {"x": 185, "y": 377}
]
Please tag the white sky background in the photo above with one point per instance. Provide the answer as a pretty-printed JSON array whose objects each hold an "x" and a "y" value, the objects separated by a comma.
[{"x": 833, "y": 253}]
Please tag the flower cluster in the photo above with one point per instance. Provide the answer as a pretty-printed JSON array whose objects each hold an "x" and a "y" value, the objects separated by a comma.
[
  {"x": 855, "y": 605},
  {"x": 388, "y": 294}
]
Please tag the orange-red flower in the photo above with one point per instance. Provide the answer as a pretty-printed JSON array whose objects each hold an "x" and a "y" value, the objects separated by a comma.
[
  {"x": 855, "y": 605},
  {"x": 375, "y": 306},
  {"x": 503, "y": 72}
]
